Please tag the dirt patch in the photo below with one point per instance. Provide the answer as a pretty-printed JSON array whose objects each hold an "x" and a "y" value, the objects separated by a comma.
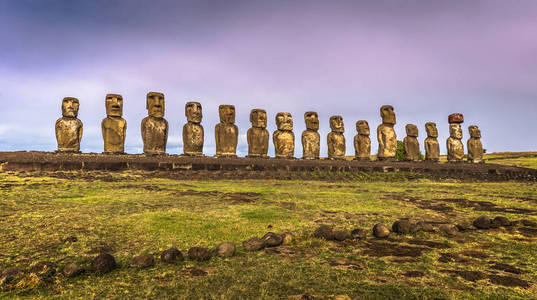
[
  {"x": 382, "y": 249},
  {"x": 475, "y": 254},
  {"x": 344, "y": 264},
  {"x": 414, "y": 274},
  {"x": 528, "y": 232},
  {"x": 447, "y": 257},
  {"x": 430, "y": 244},
  {"x": 467, "y": 275},
  {"x": 508, "y": 281},
  {"x": 506, "y": 268},
  {"x": 488, "y": 206}
]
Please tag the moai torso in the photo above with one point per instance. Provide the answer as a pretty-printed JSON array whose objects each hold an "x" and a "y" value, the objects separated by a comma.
[
  {"x": 336, "y": 139},
  {"x": 455, "y": 148},
  {"x": 432, "y": 147},
  {"x": 411, "y": 144},
  {"x": 192, "y": 130},
  {"x": 386, "y": 134},
  {"x": 475, "y": 147},
  {"x": 284, "y": 138},
  {"x": 114, "y": 130},
  {"x": 69, "y": 128},
  {"x": 311, "y": 140},
  {"x": 154, "y": 127},
  {"x": 362, "y": 142},
  {"x": 258, "y": 135},
  {"x": 226, "y": 132}
]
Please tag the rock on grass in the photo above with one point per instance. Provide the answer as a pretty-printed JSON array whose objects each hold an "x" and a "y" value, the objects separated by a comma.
[
  {"x": 287, "y": 238},
  {"x": 226, "y": 249},
  {"x": 142, "y": 261},
  {"x": 324, "y": 232},
  {"x": 401, "y": 227},
  {"x": 43, "y": 269},
  {"x": 199, "y": 254},
  {"x": 341, "y": 235},
  {"x": 254, "y": 244},
  {"x": 171, "y": 256},
  {"x": 272, "y": 239},
  {"x": 10, "y": 274},
  {"x": 72, "y": 270},
  {"x": 103, "y": 263},
  {"x": 359, "y": 234},
  {"x": 482, "y": 222},
  {"x": 381, "y": 231}
]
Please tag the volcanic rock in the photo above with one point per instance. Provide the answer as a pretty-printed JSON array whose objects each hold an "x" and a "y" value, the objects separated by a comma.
[
  {"x": 272, "y": 239},
  {"x": 72, "y": 270},
  {"x": 103, "y": 263},
  {"x": 287, "y": 238},
  {"x": 381, "y": 231},
  {"x": 424, "y": 226},
  {"x": 401, "y": 226},
  {"x": 10, "y": 274},
  {"x": 449, "y": 230},
  {"x": 199, "y": 254},
  {"x": 359, "y": 234},
  {"x": 226, "y": 249},
  {"x": 43, "y": 269},
  {"x": 254, "y": 244},
  {"x": 503, "y": 221},
  {"x": 143, "y": 261},
  {"x": 341, "y": 235},
  {"x": 325, "y": 232},
  {"x": 482, "y": 222}
]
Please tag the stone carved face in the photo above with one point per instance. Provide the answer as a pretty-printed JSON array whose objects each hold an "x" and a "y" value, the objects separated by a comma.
[
  {"x": 114, "y": 105},
  {"x": 431, "y": 129},
  {"x": 284, "y": 121},
  {"x": 227, "y": 114},
  {"x": 387, "y": 114},
  {"x": 474, "y": 131},
  {"x": 70, "y": 107},
  {"x": 312, "y": 120},
  {"x": 411, "y": 130},
  {"x": 155, "y": 104},
  {"x": 455, "y": 131},
  {"x": 336, "y": 124},
  {"x": 258, "y": 118},
  {"x": 363, "y": 127},
  {"x": 193, "y": 112}
]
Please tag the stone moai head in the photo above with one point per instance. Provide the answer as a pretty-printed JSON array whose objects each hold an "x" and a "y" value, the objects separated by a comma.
[
  {"x": 336, "y": 124},
  {"x": 227, "y": 114},
  {"x": 193, "y": 112},
  {"x": 114, "y": 105},
  {"x": 474, "y": 131},
  {"x": 258, "y": 118},
  {"x": 411, "y": 130},
  {"x": 431, "y": 129},
  {"x": 70, "y": 107},
  {"x": 455, "y": 131},
  {"x": 312, "y": 120},
  {"x": 155, "y": 104},
  {"x": 387, "y": 114},
  {"x": 284, "y": 121},
  {"x": 363, "y": 127}
]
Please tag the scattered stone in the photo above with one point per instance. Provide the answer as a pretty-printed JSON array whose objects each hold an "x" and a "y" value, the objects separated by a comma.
[
  {"x": 529, "y": 223},
  {"x": 341, "y": 235},
  {"x": 507, "y": 268},
  {"x": 197, "y": 272},
  {"x": 359, "y": 234},
  {"x": 10, "y": 275},
  {"x": 424, "y": 226},
  {"x": 482, "y": 222},
  {"x": 43, "y": 269},
  {"x": 226, "y": 249},
  {"x": 287, "y": 238},
  {"x": 414, "y": 227},
  {"x": 325, "y": 232},
  {"x": 381, "y": 231},
  {"x": 508, "y": 281},
  {"x": 254, "y": 244},
  {"x": 199, "y": 254},
  {"x": 449, "y": 230},
  {"x": 143, "y": 261},
  {"x": 465, "y": 226},
  {"x": 72, "y": 270},
  {"x": 401, "y": 227},
  {"x": 103, "y": 263},
  {"x": 171, "y": 256},
  {"x": 503, "y": 221},
  {"x": 495, "y": 223},
  {"x": 272, "y": 239},
  {"x": 469, "y": 275},
  {"x": 70, "y": 239}
]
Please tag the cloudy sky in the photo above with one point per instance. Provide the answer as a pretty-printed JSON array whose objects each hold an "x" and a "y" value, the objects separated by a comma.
[{"x": 426, "y": 58}]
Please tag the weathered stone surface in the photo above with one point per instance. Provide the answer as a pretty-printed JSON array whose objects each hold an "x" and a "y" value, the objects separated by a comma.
[
  {"x": 154, "y": 127},
  {"x": 325, "y": 232},
  {"x": 456, "y": 118},
  {"x": 72, "y": 270},
  {"x": 401, "y": 226},
  {"x": 142, "y": 261},
  {"x": 424, "y": 226},
  {"x": 362, "y": 142},
  {"x": 114, "y": 127},
  {"x": 103, "y": 263},
  {"x": 336, "y": 139},
  {"x": 193, "y": 134},
  {"x": 199, "y": 254},
  {"x": 482, "y": 222},
  {"x": 171, "y": 255},
  {"x": 287, "y": 238},
  {"x": 455, "y": 148},
  {"x": 358, "y": 234},
  {"x": 503, "y": 221},
  {"x": 386, "y": 136},
  {"x": 475, "y": 147},
  {"x": 311, "y": 140},
  {"x": 381, "y": 231},
  {"x": 411, "y": 143},
  {"x": 449, "y": 230},
  {"x": 254, "y": 244},
  {"x": 11, "y": 274},
  {"x": 69, "y": 128},
  {"x": 465, "y": 226},
  {"x": 225, "y": 249},
  {"x": 226, "y": 132},
  {"x": 341, "y": 235},
  {"x": 43, "y": 269},
  {"x": 284, "y": 138},
  {"x": 258, "y": 135},
  {"x": 432, "y": 147},
  {"x": 272, "y": 239}
]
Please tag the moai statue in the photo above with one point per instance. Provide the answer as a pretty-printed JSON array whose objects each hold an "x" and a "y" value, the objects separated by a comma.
[
  {"x": 362, "y": 142},
  {"x": 114, "y": 127},
  {"x": 455, "y": 148},
  {"x": 386, "y": 134},
  {"x": 69, "y": 127},
  {"x": 258, "y": 135},
  {"x": 411, "y": 144},
  {"x": 226, "y": 132},
  {"x": 336, "y": 139},
  {"x": 154, "y": 126},
  {"x": 432, "y": 147},
  {"x": 311, "y": 140},
  {"x": 284, "y": 138},
  {"x": 193, "y": 131},
  {"x": 475, "y": 147}
]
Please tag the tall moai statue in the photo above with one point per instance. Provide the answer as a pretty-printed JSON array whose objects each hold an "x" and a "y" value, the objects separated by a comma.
[
  {"x": 386, "y": 134},
  {"x": 258, "y": 135},
  {"x": 114, "y": 127},
  {"x": 362, "y": 142},
  {"x": 69, "y": 127},
  {"x": 154, "y": 126},
  {"x": 283, "y": 137},
  {"x": 432, "y": 147},
  {"x": 336, "y": 139},
  {"x": 226, "y": 132},
  {"x": 475, "y": 147},
  {"x": 411, "y": 143},
  {"x": 455, "y": 148},
  {"x": 192, "y": 130},
  {"x": 311, "y": 140}
]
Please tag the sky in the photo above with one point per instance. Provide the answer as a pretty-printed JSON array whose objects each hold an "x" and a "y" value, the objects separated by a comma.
[{"x": 426, "y": 58}]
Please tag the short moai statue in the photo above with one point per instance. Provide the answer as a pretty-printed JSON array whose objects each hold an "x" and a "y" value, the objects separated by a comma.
[
  {"x": 311, "y": 140},
  {"x": 432, "y": 147},
  {"x": 226, "y": 132},
  {"x": 336, "y": 139},
  {"x": 154, "y": 127},
  {"x": 411, "y": 143},
  {"x": 192, "y": 130},
  {"x": 283, "y": 137},
  {"x": 258, "y": 135},
  {"x": 475, "y": 147},
  {"x": 69, "y": 127},
  {"x": 362, "y": 142},
  {"x": 455, "y": 148},
  {"x": 386, "y": 134},
  {"x": 114, "y": 127}
]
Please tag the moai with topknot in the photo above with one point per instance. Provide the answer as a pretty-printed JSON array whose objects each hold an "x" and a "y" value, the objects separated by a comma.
[
  {"x": 258, "y": 135},
  {"x": 432, "y": 147},
  {"x": 386, "y": 134},
  {"x": 114, "y": 127},
  {"x": 336, "y": 139},
  {"x": 69, "y": 127},
  {"x": 411, "y": 143},
  {"x": 283, "y": 137},
  {"x": 362, "y": 142},
  {"x": 154, "y": 126},
  {"x": 226, "y": 132},
  {"x": 192, "y": 130},
  {"x": 455, "y": 148},
  {"x": 475, "y": 147},
  {"x": 311, "y": 140}
]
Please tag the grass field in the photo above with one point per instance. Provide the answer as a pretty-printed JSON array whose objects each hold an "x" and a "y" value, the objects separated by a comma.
[{"x": 128, "y": 214}]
